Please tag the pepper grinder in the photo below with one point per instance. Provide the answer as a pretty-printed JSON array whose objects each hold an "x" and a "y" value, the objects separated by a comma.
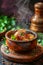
[{"x": 37, "y": 20}]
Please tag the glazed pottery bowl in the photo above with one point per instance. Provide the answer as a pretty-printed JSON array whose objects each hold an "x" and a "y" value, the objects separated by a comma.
[{"x": 17, "y": 45}]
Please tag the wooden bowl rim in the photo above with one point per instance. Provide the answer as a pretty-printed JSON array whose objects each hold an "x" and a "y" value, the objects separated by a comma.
[{"x": 19, "y": 41}]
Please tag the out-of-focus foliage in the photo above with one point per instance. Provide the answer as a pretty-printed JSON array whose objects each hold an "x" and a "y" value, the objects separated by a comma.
[
  {"x": 8, "y": 23},
  {"x": 40, "y": 38}
]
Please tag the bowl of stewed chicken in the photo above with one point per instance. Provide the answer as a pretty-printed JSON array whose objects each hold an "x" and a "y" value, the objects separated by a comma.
[{"x": 21, "y": 40}]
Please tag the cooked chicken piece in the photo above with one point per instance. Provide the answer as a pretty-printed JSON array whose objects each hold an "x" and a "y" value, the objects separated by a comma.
[{"x": 19, "y": 32}]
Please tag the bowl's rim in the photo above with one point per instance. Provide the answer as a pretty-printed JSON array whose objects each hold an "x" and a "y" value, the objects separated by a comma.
[{"x": 19, "y": 41}]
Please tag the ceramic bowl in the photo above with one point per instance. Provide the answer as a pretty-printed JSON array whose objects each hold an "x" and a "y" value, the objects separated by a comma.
[{"x": 17, "y": 45}]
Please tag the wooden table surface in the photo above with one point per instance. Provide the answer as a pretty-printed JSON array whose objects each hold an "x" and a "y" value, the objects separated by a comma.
[{"x": 6, "y": 62}]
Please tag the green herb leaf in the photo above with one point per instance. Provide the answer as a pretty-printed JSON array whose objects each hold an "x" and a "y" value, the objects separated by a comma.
[
  {"x": 7, "y": 51},
  {"x": 13, "y": 37},
  {"x": 39, "y": 40}
]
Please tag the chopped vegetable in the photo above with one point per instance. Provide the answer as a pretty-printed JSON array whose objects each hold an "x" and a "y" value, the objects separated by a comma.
[
  {"x": 7, "y": 51},
  {"x": 13, "y": 37},
  {"x": 22, "y": 35}
]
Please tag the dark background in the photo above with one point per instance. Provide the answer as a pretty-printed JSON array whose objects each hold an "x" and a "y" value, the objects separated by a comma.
[{"x": 7, "y": 7}]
